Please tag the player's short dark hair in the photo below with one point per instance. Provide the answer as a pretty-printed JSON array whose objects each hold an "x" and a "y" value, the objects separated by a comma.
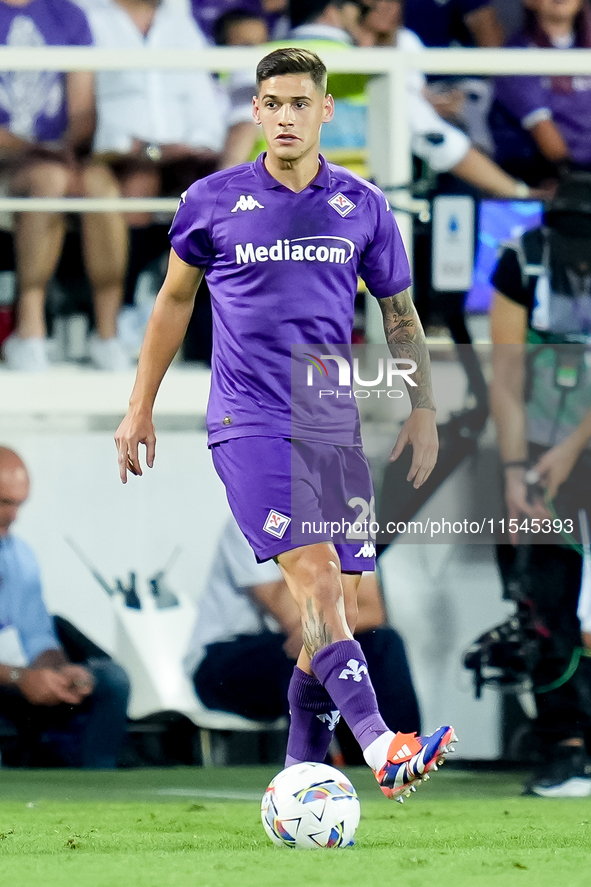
[{"x": 292, "y": 60}]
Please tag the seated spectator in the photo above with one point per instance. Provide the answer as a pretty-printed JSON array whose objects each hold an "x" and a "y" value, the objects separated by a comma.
[
  {"x": 248, "y": 628},
  {"x": 160, "y": 130},
  {"x": 46, "y": 126},
  {"x": 541, "y": 124},
  {"x": 333, "y": 24},
  {"x": 208, "y": 12},
  {"x": 78, "y": 712},
  {"x": 464, "y": 101},
  {"x": 241, "y": 27}
]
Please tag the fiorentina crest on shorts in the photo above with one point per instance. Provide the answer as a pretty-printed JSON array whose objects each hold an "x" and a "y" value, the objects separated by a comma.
[
  {"x": 276, "y": 524},
  {"x": 342, "y": 204}
]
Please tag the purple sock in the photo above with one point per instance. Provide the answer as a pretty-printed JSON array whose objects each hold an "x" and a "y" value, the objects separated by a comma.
[
  {"x": 342, "y": 670},
  {"x": 313, "y": 717}
]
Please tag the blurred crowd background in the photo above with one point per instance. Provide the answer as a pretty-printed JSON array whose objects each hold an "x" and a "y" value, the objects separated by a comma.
[{"x": 85, "y": 295}]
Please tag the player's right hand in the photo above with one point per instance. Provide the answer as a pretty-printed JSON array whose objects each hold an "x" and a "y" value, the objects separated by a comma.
[
  {"x": 45, "y": 686},
  {"x": 137, "y": 428}
]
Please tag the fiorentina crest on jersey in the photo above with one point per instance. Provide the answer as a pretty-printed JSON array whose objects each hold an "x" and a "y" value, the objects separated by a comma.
[
  {"x": 276, "y": 524},
  {"x": 342, "y": 204}
]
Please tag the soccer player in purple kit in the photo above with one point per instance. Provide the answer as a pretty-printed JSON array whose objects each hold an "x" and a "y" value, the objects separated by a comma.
[{"x": 261, "y": 233}]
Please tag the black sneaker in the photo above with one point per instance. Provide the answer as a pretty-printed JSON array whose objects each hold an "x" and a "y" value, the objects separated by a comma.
[{"x": 567, "y": 775}]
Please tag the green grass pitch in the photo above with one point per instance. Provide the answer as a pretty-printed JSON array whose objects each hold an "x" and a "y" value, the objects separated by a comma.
[{"x": 190, "y": 827}]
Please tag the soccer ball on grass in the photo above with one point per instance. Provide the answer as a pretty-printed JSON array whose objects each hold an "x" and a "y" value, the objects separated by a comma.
[{"x": 309, "y": 806}]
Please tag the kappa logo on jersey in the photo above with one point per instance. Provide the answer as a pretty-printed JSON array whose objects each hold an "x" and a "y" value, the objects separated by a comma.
[
  {"x": 330, "y": 718},
  {"x": 368, "y": 549},
  {"x": 317, "y": 248},
  {"x": 342, "y": 204},
  {"x": 355, "y": 670},
  {"x": 246, "y": 202},
  {"x": 276, "y": 524}
]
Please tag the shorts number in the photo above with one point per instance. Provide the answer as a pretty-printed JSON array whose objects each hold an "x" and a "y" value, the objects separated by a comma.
[{"x": 359, "y": 529}]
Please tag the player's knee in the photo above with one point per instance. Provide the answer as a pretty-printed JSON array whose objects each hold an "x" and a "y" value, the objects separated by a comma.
[
  {"x": 306, "y": 564},
  {"x": 319, "y": 579}
]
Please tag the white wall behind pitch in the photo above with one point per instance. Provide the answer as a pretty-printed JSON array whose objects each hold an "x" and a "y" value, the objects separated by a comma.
[{"x": 76, "y": 492}]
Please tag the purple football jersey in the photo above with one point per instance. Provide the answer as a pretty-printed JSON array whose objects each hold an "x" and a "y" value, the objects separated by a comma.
[
  {"x": 282, "y": 270},
  {"x": 33, "y": 103}
]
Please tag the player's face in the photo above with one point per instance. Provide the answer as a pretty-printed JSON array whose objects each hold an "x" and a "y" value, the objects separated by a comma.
[
  {"x": 14, "y": 490},
  {"x": 291, "y": 111}
]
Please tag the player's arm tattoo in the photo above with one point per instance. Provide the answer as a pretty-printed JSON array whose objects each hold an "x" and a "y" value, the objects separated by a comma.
[
  {"x": 406, "y": 339},
  {"x": 316, "y": 634}
]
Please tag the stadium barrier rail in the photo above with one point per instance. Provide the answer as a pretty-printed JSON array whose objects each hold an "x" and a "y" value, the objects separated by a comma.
[{"x": 388, "y": 131}]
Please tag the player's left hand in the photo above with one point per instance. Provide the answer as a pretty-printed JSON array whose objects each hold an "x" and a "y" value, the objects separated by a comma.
[{"x": 420, "y": 431}]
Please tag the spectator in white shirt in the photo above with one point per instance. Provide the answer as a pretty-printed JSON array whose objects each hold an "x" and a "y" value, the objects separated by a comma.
[
  {"x": 160, "y": 129},
  {"x": 241, "y": 27}
]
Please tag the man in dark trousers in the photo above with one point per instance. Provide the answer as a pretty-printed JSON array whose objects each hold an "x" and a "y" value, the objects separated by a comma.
[{"x": 541, "y": 401}]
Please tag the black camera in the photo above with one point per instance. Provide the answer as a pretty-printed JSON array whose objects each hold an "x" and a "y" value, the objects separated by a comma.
[{"x": 506, "y": 655}]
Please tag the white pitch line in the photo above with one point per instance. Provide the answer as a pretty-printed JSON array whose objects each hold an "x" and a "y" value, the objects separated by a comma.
[{"x": 214, "y": 794}]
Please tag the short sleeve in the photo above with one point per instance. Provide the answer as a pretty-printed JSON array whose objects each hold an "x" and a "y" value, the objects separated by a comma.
[
  {"x": 384, "y": 264},
  {"x": 31, "y": 619},
  {"x": 190, "y": 232},
  {"x": 524, "y": 97},
  {"x": 507, "y": 279}
]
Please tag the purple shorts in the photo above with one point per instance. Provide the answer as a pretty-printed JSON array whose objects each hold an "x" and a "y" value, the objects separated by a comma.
[{"x": 287, "y": 493}]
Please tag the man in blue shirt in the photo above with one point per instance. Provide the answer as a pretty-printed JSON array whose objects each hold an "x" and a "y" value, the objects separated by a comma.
[{"x": 79, "y": 712}]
